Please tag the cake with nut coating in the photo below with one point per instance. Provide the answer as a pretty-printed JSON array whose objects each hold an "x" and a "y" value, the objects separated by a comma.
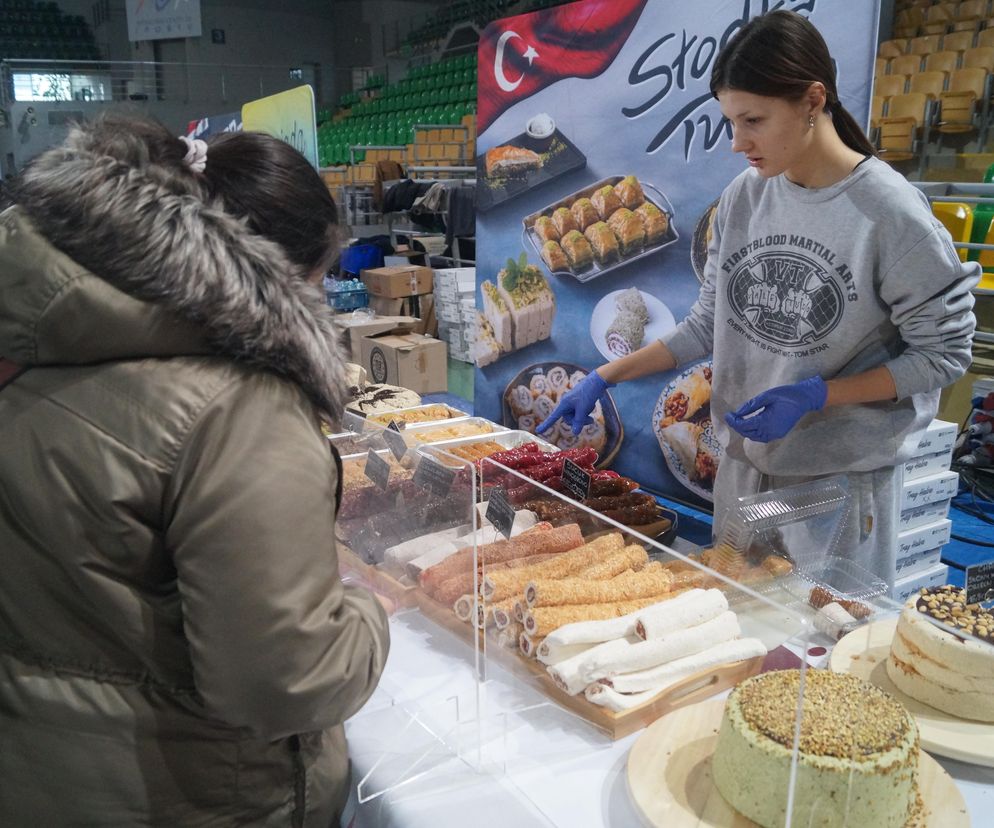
[
  {"x": 857, "y": 759},
  {"x": 932, "y": 664}
]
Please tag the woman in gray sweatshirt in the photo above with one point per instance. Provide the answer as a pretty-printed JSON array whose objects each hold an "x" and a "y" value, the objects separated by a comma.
[{"x": 834, "y": 303}]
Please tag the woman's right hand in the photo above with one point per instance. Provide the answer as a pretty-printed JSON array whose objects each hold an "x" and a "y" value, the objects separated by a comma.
[{"x": 575, "y": 406}]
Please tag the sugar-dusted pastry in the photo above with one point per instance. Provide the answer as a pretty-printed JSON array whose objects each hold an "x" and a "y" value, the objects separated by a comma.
[
  {"x": 629, "y": 191},
  {"x": 628, "y": 229},
  {"x": 578, "y": 251},
  {"x": 603, "y": 242},
  {"x": 606, "y": 201},
  {"x": 584, "y": 213},
  {"x": 545, "y": 229},
  {"x": 543, "y": 620},
  {"x": 655, "y": 221},
  {"x": 554, "y": 257},
  {"x": 563, "y": 221}
]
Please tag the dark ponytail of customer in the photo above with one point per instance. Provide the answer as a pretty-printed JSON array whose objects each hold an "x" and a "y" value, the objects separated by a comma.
[{"x": 779, "y": 55}]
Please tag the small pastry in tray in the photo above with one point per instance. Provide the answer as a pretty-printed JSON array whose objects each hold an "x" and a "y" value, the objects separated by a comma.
[
  {"x": 630, "y": 192},
  {"x": 554, "y": 257},
  {"x": 603, "y": 242},
  {"x": 629, "y": 230},
  {"x": 579, "y": 253},
  {"x": 584, "y": 213},
  {"x": 655, "y": 221},
  {"x": 563, "y": 221},
  {"x": 606, "y": 201},
  {"x": 545, "y": 229}
]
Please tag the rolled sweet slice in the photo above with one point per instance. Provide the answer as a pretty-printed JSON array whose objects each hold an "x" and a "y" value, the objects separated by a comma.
[
  {"x": 624, "y": 334},
  {"x": 549, "y": 652},
  {"x": 543, "y": 620},
  {"x": 558, "y": 381},
  {"x": 554, "y": 257},
  {"x": 555, "y": 593},
  {"x": 463, "y": 606},
  {"x": 629, "y": 192},
  {"x": 508, "y": 637},
  {"x": 545, "y": 229},
  {"x": 578, "y": 251},
  {"x": 528, "y": 645},
  {"x": 584, "y": 213},
  {"x": 606, "y": 200},
  {"x": 696, "y": 606},
  {"x": 631, "y": 301},
  {"x": 655, "y": 222},
  {"x": 570, "y": 675}
]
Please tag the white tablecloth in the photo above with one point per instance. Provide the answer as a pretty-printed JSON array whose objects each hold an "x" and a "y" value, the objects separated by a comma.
[{"x": 539, "y": 766}]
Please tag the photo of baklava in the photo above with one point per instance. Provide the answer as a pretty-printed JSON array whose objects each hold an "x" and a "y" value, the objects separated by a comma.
[{"x": 600, "y": 227}]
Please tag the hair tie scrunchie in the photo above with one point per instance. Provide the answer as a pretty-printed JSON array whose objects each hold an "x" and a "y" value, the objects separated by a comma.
[{"x": 196, "y": 153}]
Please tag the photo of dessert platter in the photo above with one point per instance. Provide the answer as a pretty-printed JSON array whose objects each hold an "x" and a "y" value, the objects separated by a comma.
[
  {"x": 534, "y": 157},
  {"x": 623, "y": 320},
  {"x": 518, "y": 310},
  {"x": 533, "y": 394},
  {"x": 701, "y": 239},
  {"x": 681, "y": 420},
  {"x": 601, "y": 227}
]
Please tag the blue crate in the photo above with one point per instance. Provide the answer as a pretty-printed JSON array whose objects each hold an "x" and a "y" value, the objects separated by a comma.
[{"x": 347, "y": 300}]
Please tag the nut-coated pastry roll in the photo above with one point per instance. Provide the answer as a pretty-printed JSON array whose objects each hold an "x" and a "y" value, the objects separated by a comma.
[
  {"x": 553, "y": 256},
  {"x": 629, "y": 191},
  {"x": 578, "y": 251},
  {"x": 584, "y": 213},
  {"x": 563, "y": 221},
  {"x": 545, "y": 229},
  {"x": 628, "y": 229},
  {"x": 606, "y": 201},
  {"x": 603, "y": 242},
  {"x": 655, "y": 221}
]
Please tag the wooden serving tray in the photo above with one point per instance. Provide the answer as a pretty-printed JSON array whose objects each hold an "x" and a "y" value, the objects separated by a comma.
[
  {"x": 670, "y": 785},
  {"x": 617, "y": 725}
]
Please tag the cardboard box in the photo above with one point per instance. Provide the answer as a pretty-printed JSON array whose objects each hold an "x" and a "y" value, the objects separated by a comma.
[
  {"x": 406, "y": 359},
  {"x": 423, "y": 310},
  {"x": 905, "y": 587},
  {"x": 360, "y": 327},
  {"x": 397, "y": 281},
  {"x": 932, "y": 489}
]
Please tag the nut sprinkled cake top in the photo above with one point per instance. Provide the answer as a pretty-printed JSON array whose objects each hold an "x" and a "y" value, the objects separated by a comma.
[
  {"x": 843, "y": 716},
  {"x": 948, "y": 605}
]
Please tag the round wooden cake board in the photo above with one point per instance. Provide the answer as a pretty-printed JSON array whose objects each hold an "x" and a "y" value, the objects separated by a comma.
[
  {"x": 669, "y": 777},
  {"x": 863, "y": 652}
]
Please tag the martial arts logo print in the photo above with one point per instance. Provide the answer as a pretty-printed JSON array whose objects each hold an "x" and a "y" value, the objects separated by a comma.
[{"x": 785, "y": 298}]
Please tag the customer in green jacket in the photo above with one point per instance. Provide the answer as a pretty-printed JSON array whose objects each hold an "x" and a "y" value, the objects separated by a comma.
[{"x": 176, "y": 646}]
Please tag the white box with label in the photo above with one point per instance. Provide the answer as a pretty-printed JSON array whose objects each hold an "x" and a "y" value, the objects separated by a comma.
[
  {"x": 930, "y": 536},
  {"x": 926, "y": 465},
  {"x": 931, "y": 489},
  {"x": 921, "y": 515},
  {"x": 918, "y": 562},
  {"x": 939, "y": 436},
  {"x": 907, "y": 586}
]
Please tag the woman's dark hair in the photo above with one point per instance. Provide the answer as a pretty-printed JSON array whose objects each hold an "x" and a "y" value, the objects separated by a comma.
[{"x": 779, "y": 55}]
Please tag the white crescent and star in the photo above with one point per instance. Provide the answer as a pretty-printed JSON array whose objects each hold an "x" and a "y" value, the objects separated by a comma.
[{"x": 502, "y": 80}]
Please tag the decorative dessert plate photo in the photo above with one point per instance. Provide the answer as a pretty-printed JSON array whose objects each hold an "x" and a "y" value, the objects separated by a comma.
[
  {"x": 624, "y": 320},
  {"x": 681, "y": 420},
  {"x": 521, "y": 164},
  {"x": 600, "y": 228},
  {"x": 701, "y": 239},
  {"x": 532, "y": 395}
]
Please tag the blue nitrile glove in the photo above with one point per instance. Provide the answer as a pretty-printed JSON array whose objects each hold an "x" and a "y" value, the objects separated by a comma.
[
  {"x": 577, "y": 403},
  {"x": 779, "y": 410}
]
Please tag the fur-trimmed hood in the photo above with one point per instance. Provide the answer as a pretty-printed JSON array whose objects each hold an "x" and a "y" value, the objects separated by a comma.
[{"x": 199, "y": 281}]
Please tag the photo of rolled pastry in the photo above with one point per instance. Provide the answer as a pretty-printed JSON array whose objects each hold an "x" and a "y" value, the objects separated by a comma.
[
  {"x": 627, "y": 329},
  {"x": 689, "y": 396}
]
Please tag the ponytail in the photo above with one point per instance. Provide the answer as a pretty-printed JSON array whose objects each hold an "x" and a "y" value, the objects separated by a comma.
[{"x": 849, "y": 131}]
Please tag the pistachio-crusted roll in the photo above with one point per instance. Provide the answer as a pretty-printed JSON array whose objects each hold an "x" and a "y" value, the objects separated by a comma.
[
  {"x": 624, "y": 334},
  {"x": 579, "y": 253},
  {"x": 543, "y": 620},
  {"x": 629, "y": 191},
  {"x": 586, "y": 591},
  {"x": 606, "y": 201},
  {"x": 554, "y": 257},
  {"x": 563, "y": 221},
  {"x": 631, "y": 557},
  {"x": 603, "y": 242},
  {"x": 655, "y": 222},
  {"x": 545, "y": 229}
]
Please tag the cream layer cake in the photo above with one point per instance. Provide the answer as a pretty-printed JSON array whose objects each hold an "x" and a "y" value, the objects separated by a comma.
[
  {"x": 953, "y": 673},
  {"x": 857, "y": 756}
]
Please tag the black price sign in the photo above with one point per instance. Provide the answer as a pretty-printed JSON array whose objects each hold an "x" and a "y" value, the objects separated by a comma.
[
  {"x": 500, "y": 512},
  {"x": 576, "y": 481},
  {"x": 980, "y": 583},
  {"x": 377, "y": 469},
  {"x": 395, "y": 440},
  {"x": 434, "y": 476}
]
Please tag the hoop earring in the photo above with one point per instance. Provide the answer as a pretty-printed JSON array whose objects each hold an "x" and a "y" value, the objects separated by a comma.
[{"x": 811, "y": 121}]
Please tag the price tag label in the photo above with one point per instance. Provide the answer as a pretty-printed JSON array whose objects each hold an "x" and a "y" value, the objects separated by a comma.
[
  {"x": 377, "y": 469},
  {"x": 395, "y": 440},
  {"x": 500, "y": 512},
  {"x": 576, "y": 481},
  {"x": 433, "y": 476},
  {"x": 980, "y": 583}
]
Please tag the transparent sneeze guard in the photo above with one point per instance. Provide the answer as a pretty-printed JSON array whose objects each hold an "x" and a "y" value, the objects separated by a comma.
[{"x": 532, "y": 630}]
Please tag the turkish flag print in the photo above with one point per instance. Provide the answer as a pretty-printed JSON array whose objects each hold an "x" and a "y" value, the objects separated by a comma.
[{"x": 520, "y": 55}]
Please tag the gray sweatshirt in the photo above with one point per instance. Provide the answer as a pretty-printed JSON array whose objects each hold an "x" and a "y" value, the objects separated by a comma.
[{"x": 830, "y": 281}]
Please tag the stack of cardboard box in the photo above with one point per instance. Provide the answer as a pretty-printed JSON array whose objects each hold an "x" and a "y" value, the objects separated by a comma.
[{"x": 455, "y": 308}]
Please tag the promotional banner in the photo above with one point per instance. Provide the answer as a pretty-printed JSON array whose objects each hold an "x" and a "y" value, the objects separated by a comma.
[
  {"x": 601, "y": 158},
  {"x": 214, "y": 124},
  {"x": 290, "y": 116},
  {"x": 163, "y": 19}
]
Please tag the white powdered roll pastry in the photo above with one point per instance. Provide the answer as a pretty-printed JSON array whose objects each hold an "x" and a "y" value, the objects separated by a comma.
[{"x": 687, "y": 610}]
